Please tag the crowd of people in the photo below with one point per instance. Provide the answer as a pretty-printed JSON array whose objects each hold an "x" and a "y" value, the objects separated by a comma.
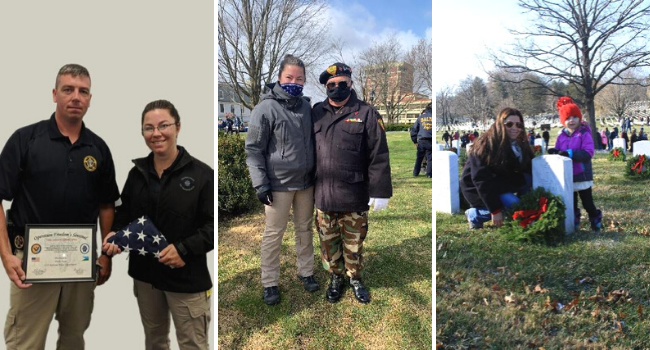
[{"x": 465, "y": 137}]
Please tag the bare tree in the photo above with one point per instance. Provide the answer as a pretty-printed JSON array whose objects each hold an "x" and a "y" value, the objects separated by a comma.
[
  {"x": 254, "y": 36},
  {"x": 523, "y": 91},
  {"x": 472, "y": 99},
  {"x": 444, "y": 103},
  {"x": 586, "y": 43},
  {"x": 387, "y": 77},
  {"x": 617, "y": 99},
  {"x": 421, "y": 60}
]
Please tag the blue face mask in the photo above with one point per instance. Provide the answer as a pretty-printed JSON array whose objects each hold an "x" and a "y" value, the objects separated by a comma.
[{"x": 292, "y": 89}]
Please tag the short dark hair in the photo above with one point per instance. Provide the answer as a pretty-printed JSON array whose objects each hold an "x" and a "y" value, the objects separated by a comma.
[
  {"x": 292, "y": 61},
  {"x": 73, "y": 69},
  {"x": 161, "y": 104}
]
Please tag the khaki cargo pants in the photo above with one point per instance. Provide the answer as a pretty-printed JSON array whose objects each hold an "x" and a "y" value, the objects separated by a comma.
[
  {"x": 31, "y": 311},
  {"x": 341, "y": 241},
  {"x": 277, "y": 217},
  {"x": 190, "y": 312}
]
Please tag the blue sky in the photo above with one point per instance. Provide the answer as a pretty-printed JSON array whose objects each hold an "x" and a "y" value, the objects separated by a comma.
[
  {"x": 414, "y": 15},
  {"x": 361, "y": 23}
]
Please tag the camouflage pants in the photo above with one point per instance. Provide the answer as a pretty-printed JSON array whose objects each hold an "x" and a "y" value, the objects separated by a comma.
[{"x": 341, "y": 241}]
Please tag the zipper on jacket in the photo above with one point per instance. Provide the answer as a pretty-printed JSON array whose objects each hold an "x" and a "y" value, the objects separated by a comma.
[{"x": 284, "y": 136}]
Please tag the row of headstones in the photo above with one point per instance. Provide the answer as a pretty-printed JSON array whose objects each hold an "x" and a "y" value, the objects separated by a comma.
[
  {"x": 552, "y": 172},
  {"x": 640, "y": 147}
]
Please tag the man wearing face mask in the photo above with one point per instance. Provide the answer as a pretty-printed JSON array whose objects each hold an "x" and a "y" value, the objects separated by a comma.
[
  {"x": 352, "y": 172},
  {"x": 280, "y": 158}
]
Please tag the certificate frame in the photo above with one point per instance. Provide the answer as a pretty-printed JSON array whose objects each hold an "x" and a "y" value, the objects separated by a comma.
[{"x": 60, "y": 253}]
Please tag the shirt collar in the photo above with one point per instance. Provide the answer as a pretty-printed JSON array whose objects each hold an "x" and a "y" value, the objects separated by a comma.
[{"x": 54, "y": 132}]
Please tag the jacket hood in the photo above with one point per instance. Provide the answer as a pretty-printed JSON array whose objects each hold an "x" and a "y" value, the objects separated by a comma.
[{"x": 276, "y": 93}]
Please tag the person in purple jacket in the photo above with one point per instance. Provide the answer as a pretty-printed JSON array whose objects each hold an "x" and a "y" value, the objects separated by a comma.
[{"x": 575, "y": 141}]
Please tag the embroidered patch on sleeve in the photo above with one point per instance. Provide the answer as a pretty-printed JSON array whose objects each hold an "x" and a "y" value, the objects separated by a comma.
[{"x": 381, "y": 123}]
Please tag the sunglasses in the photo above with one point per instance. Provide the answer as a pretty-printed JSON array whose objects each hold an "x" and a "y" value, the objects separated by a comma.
[
  {"x": 510, "y": 124},
  {"x": 342, "y": 85}
]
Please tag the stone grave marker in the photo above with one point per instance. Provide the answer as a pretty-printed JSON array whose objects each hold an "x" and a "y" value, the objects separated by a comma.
[
  {"x": 555, "y": 174},
  {"x": 456, "y": 144},
  {"x": 541, "y": 143},
  {"x": 620, "y": 142},
  {"x": 641, "y": 147},
  {"x": 446, "y": 188}
]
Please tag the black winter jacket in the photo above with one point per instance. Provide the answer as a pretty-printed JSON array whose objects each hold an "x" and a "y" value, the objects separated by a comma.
[
  {"x": 482, "y": 185},
  {"x": 351, "y": 156},
  {"x": 183, "y": 212}
]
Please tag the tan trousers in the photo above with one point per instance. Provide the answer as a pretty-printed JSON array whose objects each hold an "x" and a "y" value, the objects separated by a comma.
[
  {"x": 190, "y": 312},
  {"x": 31, "y": 311},
  {"x": 277, "y": 217}
]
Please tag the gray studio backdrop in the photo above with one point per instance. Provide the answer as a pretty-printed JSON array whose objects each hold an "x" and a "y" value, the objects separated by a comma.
[{"x": 136, "y": 52}]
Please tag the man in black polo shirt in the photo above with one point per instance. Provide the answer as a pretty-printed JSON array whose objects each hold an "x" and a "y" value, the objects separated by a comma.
[{"x": 55, "y": 172}]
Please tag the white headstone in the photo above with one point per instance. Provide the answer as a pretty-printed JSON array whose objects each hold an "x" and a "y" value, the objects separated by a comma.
[
  {"x": 620, "y": 142},
  {"x": 440, "y": 147},
  {"x": 541, "y": 143},
  {"x": 555, "y": 174},
  {"x": 468, "y": 146},
  {"x": 641, "y": 147},
  {"x": 446, "y": 188},
  {"x": 456, "y": 144}
]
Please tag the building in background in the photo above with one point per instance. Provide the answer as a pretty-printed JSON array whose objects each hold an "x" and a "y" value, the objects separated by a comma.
[
  {"x": 389, "y": 88},
  {"x": 229, "y": 103}
]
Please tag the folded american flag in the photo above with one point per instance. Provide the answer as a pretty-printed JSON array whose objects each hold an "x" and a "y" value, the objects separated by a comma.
[{"x": 142, "y": 236}]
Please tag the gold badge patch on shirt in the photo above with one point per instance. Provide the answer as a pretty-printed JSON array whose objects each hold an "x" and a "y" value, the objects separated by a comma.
[
  {"x": 19, "y": 242},
  {"x": 90, "y": 163}
]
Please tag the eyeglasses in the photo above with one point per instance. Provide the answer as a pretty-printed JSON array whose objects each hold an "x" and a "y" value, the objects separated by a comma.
[
  {"x": 342, "y": 85},
  {"x": 510, "y": 124},
  {"x": 149, "y": 129}
]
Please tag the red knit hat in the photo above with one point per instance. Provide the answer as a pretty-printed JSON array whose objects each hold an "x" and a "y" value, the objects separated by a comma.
[{"x": 567, "y": 108}]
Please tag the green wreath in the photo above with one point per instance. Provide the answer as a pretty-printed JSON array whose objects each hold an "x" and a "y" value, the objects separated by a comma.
[
  {"x": 617, "y": 154},
  {"x": 537, "y": 150},
  {"x": 638, "y": 167},
  {"x": 538, "y": 218}
]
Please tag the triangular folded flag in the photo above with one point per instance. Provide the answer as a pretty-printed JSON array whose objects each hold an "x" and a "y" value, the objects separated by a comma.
[{"x": 142, "y": 236}]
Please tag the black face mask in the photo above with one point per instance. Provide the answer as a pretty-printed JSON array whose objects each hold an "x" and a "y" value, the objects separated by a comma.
[{"x": 339, "y": 94}]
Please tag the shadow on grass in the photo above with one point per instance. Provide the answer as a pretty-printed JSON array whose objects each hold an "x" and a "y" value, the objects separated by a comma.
[{"x": 391, "y": 272}]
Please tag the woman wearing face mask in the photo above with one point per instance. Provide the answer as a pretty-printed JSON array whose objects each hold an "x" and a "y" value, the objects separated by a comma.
[
  {"x": 498, "y": 166},
  {"x": 280, "y": 158}
]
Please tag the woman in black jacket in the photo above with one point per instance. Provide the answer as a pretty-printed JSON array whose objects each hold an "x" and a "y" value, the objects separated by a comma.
[
  {"x": 176, "y": 192},
  {"x": 498, "y": 165}
]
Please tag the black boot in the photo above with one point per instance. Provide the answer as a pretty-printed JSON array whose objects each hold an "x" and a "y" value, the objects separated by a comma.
[
  {"x": 360, "y": 291},
  {"x": 271, "y": 295},
  {"x": 335, "y": 289}
]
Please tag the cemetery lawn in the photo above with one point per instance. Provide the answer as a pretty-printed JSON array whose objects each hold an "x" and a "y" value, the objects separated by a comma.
[
  {"x": 591, "y": 291},
  {"x": 398, "y": 259}
]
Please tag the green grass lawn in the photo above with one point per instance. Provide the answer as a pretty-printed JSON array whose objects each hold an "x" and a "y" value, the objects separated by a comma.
[
  {"x": 398, "y": 253},
  {"x": 590, "y": 292}
]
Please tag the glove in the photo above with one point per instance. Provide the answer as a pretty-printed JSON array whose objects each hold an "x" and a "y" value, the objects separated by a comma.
[
  {"x": 552, "y": 151},
  {"x": 266, "y": 197},
  {"x": 564, "y": 153},
  {"x": 380, "y": 203}
]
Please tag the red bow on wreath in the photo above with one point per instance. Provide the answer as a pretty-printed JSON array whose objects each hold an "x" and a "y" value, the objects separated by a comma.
[
  {"x": 639, "y": 164},
  {"x": 616, "y": 153},
  {"x": 531, "y": 215}
]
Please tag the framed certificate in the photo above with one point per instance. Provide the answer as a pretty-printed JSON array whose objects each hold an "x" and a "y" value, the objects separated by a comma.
[{"x": 59, "y": 253}]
